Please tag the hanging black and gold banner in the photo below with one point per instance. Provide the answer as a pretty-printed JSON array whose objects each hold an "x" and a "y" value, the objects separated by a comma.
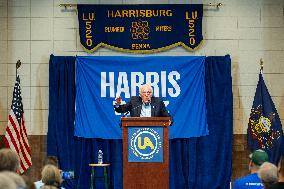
[{"x": 140, "y": 28}]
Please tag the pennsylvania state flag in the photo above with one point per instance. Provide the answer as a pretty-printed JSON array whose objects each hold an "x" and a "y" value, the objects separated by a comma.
[{"x": 264, "y": 127}]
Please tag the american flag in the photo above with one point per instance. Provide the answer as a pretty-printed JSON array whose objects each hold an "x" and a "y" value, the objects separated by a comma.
[{"x": 16, "y": 136}]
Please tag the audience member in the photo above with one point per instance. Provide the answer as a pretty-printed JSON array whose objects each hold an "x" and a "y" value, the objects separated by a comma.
[
  {"x": 268, "y": 174},
  {"x": 29, "y": 183},
  {"x": 9, "y": 160},
  {"x": 50, "y": 160},
  {"x": 257, "y": 158},
  {"x": 6, "y": 182},
  {"x": 280, "y": 183},
  {"x": 18, "y": 180},
  {"x": 50, "y": 176}
]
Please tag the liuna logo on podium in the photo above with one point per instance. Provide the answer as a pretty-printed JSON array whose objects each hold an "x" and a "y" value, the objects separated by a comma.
[{"x": 145, "y": 144}]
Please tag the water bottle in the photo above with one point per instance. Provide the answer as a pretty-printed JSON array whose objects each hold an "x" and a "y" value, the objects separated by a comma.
[{"x": 100, "y": 157}]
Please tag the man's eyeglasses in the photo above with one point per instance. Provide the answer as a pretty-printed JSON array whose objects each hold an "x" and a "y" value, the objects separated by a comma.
[{"x": 146, "y": 92}]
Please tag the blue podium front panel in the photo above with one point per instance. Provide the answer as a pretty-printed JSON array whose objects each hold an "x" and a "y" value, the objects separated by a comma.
[{"x": 145, "y": 144}]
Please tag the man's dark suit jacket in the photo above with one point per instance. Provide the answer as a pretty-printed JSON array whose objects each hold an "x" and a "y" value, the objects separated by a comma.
[{"x": 134, "y": 106}]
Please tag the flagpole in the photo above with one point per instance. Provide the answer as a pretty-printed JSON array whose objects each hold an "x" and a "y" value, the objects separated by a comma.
[
  {"x": 261, "y": 66},
  {"x": 16, "y": 137},
  {"x": 18, "y": 65}
]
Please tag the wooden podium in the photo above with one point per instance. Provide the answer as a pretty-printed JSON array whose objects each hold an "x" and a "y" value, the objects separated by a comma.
[{"x": 145, "y": 175}]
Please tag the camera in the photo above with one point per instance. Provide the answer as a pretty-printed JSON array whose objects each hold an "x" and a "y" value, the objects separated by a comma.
[{"x": 67, "y": 175}]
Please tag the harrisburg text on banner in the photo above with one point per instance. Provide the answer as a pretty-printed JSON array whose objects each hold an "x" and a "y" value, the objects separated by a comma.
[
  {"x": 140, "y": 28},
  {"x": 264, "y": 127},
  {"x": 16, "y": 136},
  {"x": 179, "y": 81}
]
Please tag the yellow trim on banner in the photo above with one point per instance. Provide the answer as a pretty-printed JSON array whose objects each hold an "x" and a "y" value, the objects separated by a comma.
[{"x": 142, "y": 51}]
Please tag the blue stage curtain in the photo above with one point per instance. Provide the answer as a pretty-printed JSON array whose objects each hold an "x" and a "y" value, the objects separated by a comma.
[
  {"x": 206, "y": 162},
  {"x": 195, "y": 163},
  {"x": 74, "y": 154},
  {"x": 60, "y": 138}
]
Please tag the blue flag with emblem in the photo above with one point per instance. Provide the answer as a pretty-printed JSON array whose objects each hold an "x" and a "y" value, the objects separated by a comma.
[{"x": 264, "y": 127}]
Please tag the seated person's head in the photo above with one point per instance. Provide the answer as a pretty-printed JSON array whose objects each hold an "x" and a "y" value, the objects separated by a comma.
[
  {"x": 9, "y": 160},
  {"x": 257, "y": 158},
  {"x": 50, "y": 176},
  {"x": 6, "y": 182},
  {"x": 30, "y": 184},
  {"x": 18, "y": 180},
  {"x": 51, "y": 160},
  {"x": 268, "y": 174}
]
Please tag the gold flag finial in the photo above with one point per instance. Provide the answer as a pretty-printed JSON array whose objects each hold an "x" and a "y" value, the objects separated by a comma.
[
  {"x": 261, "y": 64},
  {"x": 18, "y": 64}
]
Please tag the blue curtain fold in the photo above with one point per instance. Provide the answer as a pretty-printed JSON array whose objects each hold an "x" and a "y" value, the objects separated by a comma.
[
  {"x": 195, "y": 163},
  {"x": 214, "y": 152},
  {"x": 206, "y": 162},
  {"x": 60, "y": 137}
]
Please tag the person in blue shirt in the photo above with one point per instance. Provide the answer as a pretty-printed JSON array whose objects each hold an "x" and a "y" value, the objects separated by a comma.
[{"x": 252, "y": 181}]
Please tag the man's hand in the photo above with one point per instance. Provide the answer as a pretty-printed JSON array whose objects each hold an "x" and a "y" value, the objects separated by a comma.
[{"x": 118, "y": 100}]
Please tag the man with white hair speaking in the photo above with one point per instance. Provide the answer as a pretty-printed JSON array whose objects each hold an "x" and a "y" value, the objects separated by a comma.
[{"x": 144, "y": 105}]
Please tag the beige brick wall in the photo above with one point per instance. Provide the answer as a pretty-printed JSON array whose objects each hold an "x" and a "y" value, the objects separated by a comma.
[{"x": 30, "y": 30}]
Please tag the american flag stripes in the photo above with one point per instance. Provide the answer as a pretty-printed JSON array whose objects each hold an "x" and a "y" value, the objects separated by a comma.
[{"x": 16, "y": 137}]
